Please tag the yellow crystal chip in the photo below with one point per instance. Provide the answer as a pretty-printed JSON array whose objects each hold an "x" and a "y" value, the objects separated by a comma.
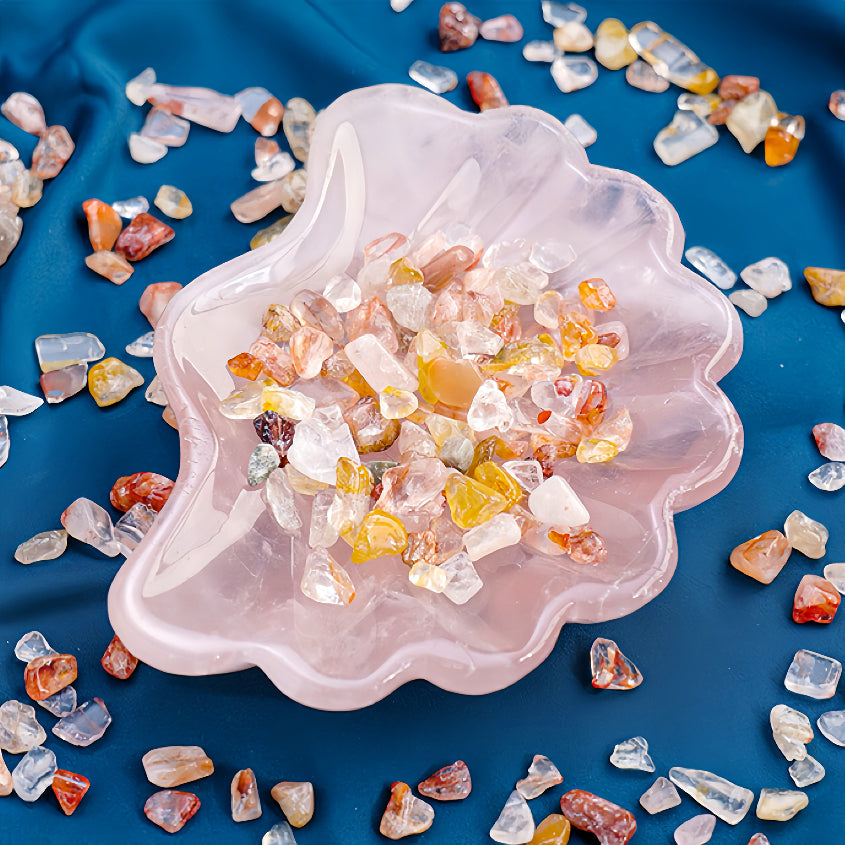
[
  {"x": 493, "y": 476},
  {"x": 826, "y": 285},
  {"x": 380, "y": 534},
  {"x": 471, "y": 502},
  {"x": 595, "y": 358},
  {"x": 353, "y": 477},
  {"x": 110, "y": 380}
]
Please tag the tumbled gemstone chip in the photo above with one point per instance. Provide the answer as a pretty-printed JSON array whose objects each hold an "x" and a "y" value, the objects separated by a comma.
[
  {"x": 780, "y": 805},
  {"x": 695, "y": 831},
  {"x": 749, "y": 301},
  {"x": 199, "y": 105},
  {"x": 110, "y": 380},
  {"x": 118, "y": 661},
  {"x": 434, "y": 77},
  {"x": 165, "y": 128},
  {"x": 324, "y": 580},
  {"x": 832, "y": 725},
  {"x": 47, "y": 675},
  {"x": 572, "y": 73},
  {"x": 296, "y": 799},
  {"x": 805, "y": 772},
  {"x": 504, "y": 28},
  {"x": 750, "y": 118},
  {"x": 557, "y": 14},
  {"x": 55, "y": 351},
  {"x": 829, "y": 476},
  {"x": 61, "y": 384},
  {"x": 69, "y": 789},
  {"x": 610, "y": 668},
  {"x": 104, "y": 224},
  {"x": 25, "y": 112},
  {"x": 542, "y": 774},
  {"x": 173, "y": 202},
  {"x": 52, "y": 152},
  {"x": 155, "y": 299},
  {"x": 707, "y": 262},
  {"x": 573, "y": 37},
  {"x": 791, "y": 730},
  {"x": 769, "y": 276},
  {"x": 632, "y": 754},
  {"x": 612, "y": 824},
  {"x": 686, "y": 136},
  {"x": 20, "y": 731},
  {"x": 47, "y": 545},
  {"x": 813, "y": 674},
  {"x": 806, "y": 535},
  {"x": 661, "y": 795},
  {"x": 146, "y": 150},
  {"x": 457, "y": 29},
  {"x": 110, "y": 266},
  {"x": 246, "y": 802},
  {"x": 146, "y": 488},
  {"x": 144, "y": 234},
  {"x": 32, "y": 645},
  {"x": 84, "y": 725},
  {"x": 171, "y": 809},
  {"x": 515, "y": 823},
  {"x": 827, "y": 287},
  {"x": 763, "y": 557},
  {"x": 60, "y": 703},
  {"x": 6, "y": 784},
  {"x": 830, "y": 439},
  {"x": 16, "y": 403},
  {"x": 584, "y": 133},
  {"x": 613, "y": 50},
  {"x": 816, "y": 600},
  {"x": 451, "y": 783},
  {"x": 485, "y": 90},
  {"x": 34, "y": 773},
  {"x": 642, "y": 75},
  {"x": 173, "y": 765},
  {"x": 405, "y": 814},
  {"x": 552, "y": 830},
  {"x": 279, "y": 834},
  {"x": 721, "y": 797}
]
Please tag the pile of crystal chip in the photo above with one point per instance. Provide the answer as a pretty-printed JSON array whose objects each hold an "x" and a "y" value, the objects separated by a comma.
[{"x": 424, "y": 405}]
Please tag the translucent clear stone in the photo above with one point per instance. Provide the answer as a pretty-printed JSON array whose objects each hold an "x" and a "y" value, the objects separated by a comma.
[
  {"x": 379, "y": 368},
  {"x": 660, "y": 796},
  {"x": 829, "y": 476},
  {"x": 540, "y": 51},
  {"x": 6, "y": 783},
  {"x": 296, "y": 800},
  {"x": 434, "y": 77},
  {"x": 142, "y": 347},
  {"x": 410, "y": 305},
  {"x": 165, "y": 128},
  {"x": 397, "y": 404},
  {"x": 749, "y": 301},
  {"x": 87, "y": 522},
  {"x": 263, "y": 460},
  {"x": 48, "y": 545},
  {"x": 133, "y": 526},
  {"x": 835, "y": 573},
  {"x": 806, "y": 535},
  {"x": 343, "y": 292},
  {"x": 557, "y": 14},
  {"x": 199, "y": 105},
  {"x": 324, "y": 580},
  {"x": 769, "y": 276},
  {"x": 515, "y": 824},
  {"x": 496, "y": 533},
  {"x": 33, "y": 645},
  {"x": 154, "y": 394},
  {"x": 529, "y": 474},
  {"x": 759, "y": 839},
  {"x": 174, "y": 765},
  {"x": 280, "y": 499},
  {"x": 296, "y": 123},
  {"x": 16, "y": 403},
  {"x": 464, "y": 581},
  {"x": 813, "y": 674},
  {"x": 573, "y": 37},
  {"x": 632, "y": 754},
  {"x": 25, "y": 112},
  {"x": 555, "y": 503},
  {"x": 830, "y": 439},
  {"x": 489, "y": 409},
  {"x": 791, "y": 730},
  {"x": 55, "y": 351},
  {"x": 572, "y": 73},
  {"x": 695, "y": 831},
  {"x": 11, "y": 227},
  {"x": 476, "y": 339},
  {"x": 317, "y": 446},
  {"x": 642, "y": 75},
  {"x": 585, "y": 134},
  {"x": 145, "y": 150},
  {"x": 551, "y": 256},
  {"x": 173, "y": 202},
  {"x": 751, "y": 117},
  {"x": 84, "y": 725},
  {"x": 428, "y": 576},
  {"x": 137, "y": 89},
  {"x": 19, "y": 727},
  {"x": 806, "y": 772},
  {"x": 672, "y": 59},
  {"x": 836, "y": 104},
  {"x": 60, "y": 703},
  {"x": 702, "y": 105},
  {"x": 724, "y": 799},
  {"x": 131, "y": 208},
  {"x": 687, "y": 135},
  {"x": 780, "y": 805},
  {"x": 279, "y": 834},
  {"x": 4, "y": 440},
  {"x": 322, "y": 534},
  {"x": 542, "y": 774},
  {"x": 274, "y": 168},
  {"x": 832, "y": 725},
  {"x": 711, "y": 266},
  {"x": 33, "y": 776}
]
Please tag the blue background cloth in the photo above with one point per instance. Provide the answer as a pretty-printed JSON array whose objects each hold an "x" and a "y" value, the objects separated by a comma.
[{"x": 714, "y": 646}]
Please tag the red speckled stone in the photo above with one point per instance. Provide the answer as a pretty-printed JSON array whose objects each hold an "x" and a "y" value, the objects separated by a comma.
[
  {"x": 170, "y": 809},
  {"x": 144, "y": 234},
  {"x": 69, "y": 789},
  {"x": 148, "y": 488},
  {"x": 816, "y": 600},
  {"x": 612, "y": 824},
  {"x": 451, "y": 783},
  {"x": 118, "y": 661},
  {"x": 46, "y": 675}
]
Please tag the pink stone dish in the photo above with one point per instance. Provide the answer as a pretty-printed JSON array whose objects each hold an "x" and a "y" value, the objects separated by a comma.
[{"x": 214, "y": 587}]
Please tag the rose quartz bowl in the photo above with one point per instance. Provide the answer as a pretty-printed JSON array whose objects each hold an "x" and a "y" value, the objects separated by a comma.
[{"x": 214, "y": 586}]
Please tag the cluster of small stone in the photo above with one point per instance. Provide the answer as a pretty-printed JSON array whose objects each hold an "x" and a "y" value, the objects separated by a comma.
[
  {"x": 171, "y": 809},
  {"x": 479, "y": 379},
  {"x": 48, "y": 680},
  {"x": 21, "y": 187}
]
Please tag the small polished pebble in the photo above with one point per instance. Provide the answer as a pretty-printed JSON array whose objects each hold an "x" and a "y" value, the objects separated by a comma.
[
  {"x": 686, "y": 136},
  {"x": 585, "y": 134},
  {"x": 609, "y": 667},
  {"x": 827, "y": 285},
  {"x": 246, "y": 802},
  {"x": 61, "y": 384},
  {"x": 199, "y": 105},
  {"x": 750, "y": 118},
  {"x": 20, "y": 730},
  {"x": 724, "y": 799},
  {"x": 672, "y": 59},
  {"x": 661, "y": 795},
  {"x": 710, "y": 265},
  {"x": 32, "y": 645},
  {"x": 806, "y": 535},
  {"x": 144, "y": 234},
  {"x": 110, "y": 381},
  {"x": 324, "y": 580},
  {"x": 503, "y": 28},
  {"x": 830, "y": 439},
  {"x": 780, "y": 805},
  {"x": 156, "y": 298},
  {"x": 261, "y": 110},
  {"x": 632, "y": 754},
  {"x": 515, "y": 824},
  {"x": 84, "y": 725},
  {"x": 52, "y": 152},
  {"x": 16, "y": 403},
  {"x": 173, "y": 202},
  {"x": 279, "y": 834},
  {"x": 69, "y": 789},
  {"x": 6, "y": 785},
  {"x": 170, "y": 809},
  {"x": 556, "y": 13},
  {"x": 836, "y": 104},
  {"x": 25, "y": 112},
  {"x": 55, "y": 351},
  {"x": 60, "y": 703},
  {"x": 129, "y": 209},
  {"x": 33, "y": 775},
  {"x": 829, "y": 476},
  {"x": 165, "y": 128},
  {"x": 813, "y": 674},
  {"x": 610, "y": 823},
  {"x": 48, "y": 545},
  {"x": 835, "y": 573},
  {"x": 405, "y": 814},
  {"x": 117, "y": 660},
  {"x": 701, "y": 104},
  {"x": 759, "y": 839},
  {"x": 573, "y": 37},
  {"x": 142, "y": 347},
  {"x": 457, "y": 28},
  {"x": 436, "y": 78},
  {"x": 695, "y": 831},
  {"x": 89, "y": 523},
  {"x": 749, "y": 301},
  {"x": 769, "y": 276},
  {"x": 46, "y": 675},
  {"x": 173, "y": 765},
  {"x": 540, "y": 51},
  {"x": 296, "y": 800},
  {"x": 146, "y": 150},
  {"x": 642, "y": 75},
  {"x": 297, "y": 121},
  {"x": 816, "y": 600},
  {"x": 762, "y": 557},
  {"x": 486, "y": 94},
  {"x": 572, "y": 73},
  {"x": 612, "y": 48},
  {"x": 110, "y": 266},
  {"x": 542, "y": 775},
  {"x": 451, "y": 783},
  {"x": 806, "y": 772},
  {"x": 791, "y": 730},
  {"x": 832, "y": 725}
]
